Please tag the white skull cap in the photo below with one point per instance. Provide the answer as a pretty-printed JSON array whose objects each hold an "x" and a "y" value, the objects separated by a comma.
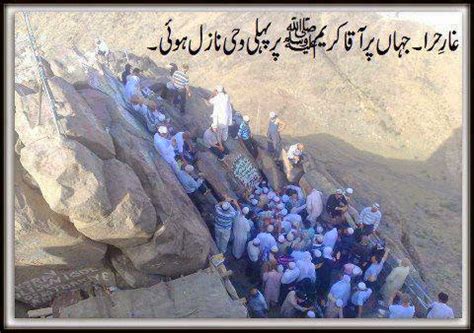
[
  {"x": 349, "y": 190},
  {"x": 350, "y": 231},
  {"x": 245, "y": 210},
  {"x": 220, "y": 88},
  {"x": 161, "y": 117},
  {"x": 162, "y": 130},
  {"x": 284, "y": 212},
  {"x": 291, "y": 265},
  {"x": 270, "y": 228},
  {"x": 339, "y": 303},
  {"x": 339, "y": 191},
  {"x": 361, "y": 286},
  {"x": 356, "y": 270},
  {"x": 280, "y": 206},
  {"x": 256, "y": 241},
  {"x": 276, "y": 198},
  {"x": 274, "y": 249},
  {"x": 317, "y": 253},
  {"x": 189, "y": 168},
  {"x": 254, "y": 202},
  {"x": 246, "y": 118},
  {"x": 285, "y": 198},
  {"x": 319, "y": 230},
  {"x": 376, "y": 205},
  {"x": 281, "y": 238},
  {"x": 225, "y": 205},
  {"x": 272, "y": 115}
]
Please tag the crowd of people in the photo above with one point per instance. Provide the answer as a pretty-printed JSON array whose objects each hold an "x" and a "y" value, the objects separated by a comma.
[{"x": 305, "y": 255}]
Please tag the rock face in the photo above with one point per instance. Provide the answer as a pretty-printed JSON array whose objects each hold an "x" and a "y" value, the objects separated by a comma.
[{"x": 101, "y": 183}]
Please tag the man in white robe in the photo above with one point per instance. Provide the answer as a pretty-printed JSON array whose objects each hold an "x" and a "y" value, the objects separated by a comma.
[
  {"x": 241, "y": 231},
  {"x": 222, "y": 113},
  {"x": 314, "y": 205},
  {"x": 165, "y": 147}
]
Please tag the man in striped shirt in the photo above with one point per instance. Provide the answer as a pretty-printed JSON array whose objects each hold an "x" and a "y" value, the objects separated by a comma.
[
  {"x": 369, "y": 218},
  {"x": 245, "y": 136},
  {"x": 180, "y": 81},
  {"x": 225, "y": 215}
]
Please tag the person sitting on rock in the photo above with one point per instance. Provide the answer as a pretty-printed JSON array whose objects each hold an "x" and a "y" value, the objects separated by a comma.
[
  {"x": 295, "y": 154},
  {"x": 351, "y": 215},
  {"x": 132, "y": 87},
  {"x": 213, "y": 141},
  {"x": 245, "y": 135},
  {"x": 164, "y": 146},
  {"x": 184, "y": 147},
  {"x": 191, "y": 186}
]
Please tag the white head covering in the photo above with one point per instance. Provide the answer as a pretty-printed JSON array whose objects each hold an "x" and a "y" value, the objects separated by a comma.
[
  {"x": 283, "y": 212},
  {"x": 251, "y": 196},
  {"x": 361, "y": 286},
  {"x": 270, "y": 195},
  {"x": 281, "y": 238},
  {"x": 291, "y": 265},
  {"x": 319, "y": 238},
  {"x": 265, "y": 190},
  {"x": 274, "y": 249},
  {"x": 270, "y": 228},
  {"x": 356, "y": 271},
  {"x": 276, "y": 198},
  {"x": 246, "y": 118},
  {"x": 319, "y": 230},
  {"x": 162, "y": 130},
  {"x": 254, "y": 202},
  {"x": 327, "y": 252},
  {"x": 280, "y": 269},
  {"x": 189, "y": 168},
  {"x": 245, "y": 210},
  {"x": 285, "y": 198},
  {"x": 339, "y": 191},
  {"x": 317, "y": 253},
  {"x": 161, "y": 117},
  {"x": 219, "y": 88},
  {"x": 310, "y": 314},
  {"x": 290, "y": 237},
  {"x": 272, "y": 115},
  {"x": 376, "y": 205},
  {"x": 225, "y": 205},
  {"x": 258, "y": 191},
  {"x": 350, "y": 231},
  {"x": 280, "y": 206},
  {"x": 339, "y": 303},
  {"x": 214, "y": 126},
  {"x": 346, "y": 278},
  {"x": 256, "y": 241},
  {"x": 349, "y": 190}
]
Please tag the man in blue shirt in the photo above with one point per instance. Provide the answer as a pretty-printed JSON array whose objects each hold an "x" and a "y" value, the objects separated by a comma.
[{"x": 245, "y": 136}]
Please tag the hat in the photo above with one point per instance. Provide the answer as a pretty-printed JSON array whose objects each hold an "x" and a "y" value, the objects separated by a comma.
[
  {"x": 317, "y": 253},
  {"x": 274, "y": 248},
  {"x": 285, "y": 198},
  {"x": 246, "y": 118},
  {"x": 291, "y": 265},
  {"x": 276, "y": 198},
  {"x": 245, "y": 210},
  {"x": 356, "y": 270},
  {"x": 256, "y": 241},
  {"x": 161, "y": 117},
  {"x": 254, "y": 202},
  {"x": 214, "y": 126},
  {"x": 162, "y": 130},
  {"x": 280, "y": 206},
  {"x": 350, "y": 231},
  {"x": 280, "y": 269},
  {"x": 219, "y": 88},
  {"x": 265, "y": 190},
  {"x": 346, "y": 278},
  {"x": 376, "y": 205},
  {"x": 339, "y": 191},
  {"x": 281, "y": 238},
  {"x": 310, "y": 314},
  {"x": 251, "y": 196},
  {"x": 290, "y": 237},
  {"x": 283, "y": 212},
  {"x": 272, "y": 115},
  {"x": 319, "y": 238},
  {"x": 349, "y": 190},
  {"x": 271, "y": 195},
  {"x": 225, "y": 205},
  {"x": 339, "y": 303},
  {"x": 361, "y": 286},
  {"x": 258, "y": 191},
  {"x": 189, "y": 168},
  {"x": 319, "y": 230},
  {"x": 270, "y": 228}
]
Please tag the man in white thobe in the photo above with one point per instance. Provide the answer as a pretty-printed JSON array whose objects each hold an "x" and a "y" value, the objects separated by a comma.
[
  {"x": 165, "y": 147},
  {"x": 314, "y": 205},
  {"x": 241, "y": 231},
  {"x": 222, "y": 113},
  {"x": 330, "y": 238}
]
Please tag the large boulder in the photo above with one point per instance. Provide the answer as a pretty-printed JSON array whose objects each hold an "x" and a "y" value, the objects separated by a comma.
[
  {"x": 104, "y": 199},
  {"x": 275, "y": 177}
]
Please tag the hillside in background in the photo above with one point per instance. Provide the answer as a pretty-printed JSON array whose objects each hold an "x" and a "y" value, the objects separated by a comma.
[{"x": 390, "y": 128}]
